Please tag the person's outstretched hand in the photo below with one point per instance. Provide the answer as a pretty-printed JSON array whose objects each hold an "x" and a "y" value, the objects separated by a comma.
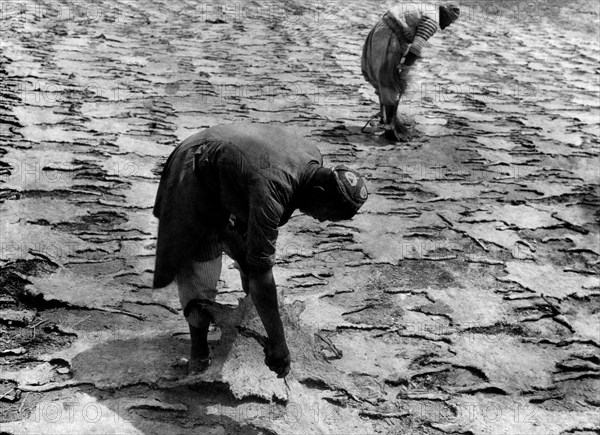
[
  {"x": 410, "y": 59},
  {"x": 278, "y": 359}
]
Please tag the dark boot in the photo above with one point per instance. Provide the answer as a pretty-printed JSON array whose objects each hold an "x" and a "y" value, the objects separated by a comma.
[
  {"x": 390, "y": 135},
  {"x": 199, "y": 352}
]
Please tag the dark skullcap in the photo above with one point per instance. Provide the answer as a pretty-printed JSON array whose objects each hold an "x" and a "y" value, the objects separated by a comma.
[
  {"x": 351, "y": 186},
  {"x": 452, "y": 10}
]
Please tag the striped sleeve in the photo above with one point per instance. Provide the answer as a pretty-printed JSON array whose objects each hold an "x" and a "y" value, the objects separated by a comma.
[{"x": 426, "y": 29}]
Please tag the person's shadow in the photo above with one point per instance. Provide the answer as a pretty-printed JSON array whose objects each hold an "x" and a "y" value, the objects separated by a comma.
[
  {"x": 138, "y": 381},
  {"x": 149, "y": 384}
]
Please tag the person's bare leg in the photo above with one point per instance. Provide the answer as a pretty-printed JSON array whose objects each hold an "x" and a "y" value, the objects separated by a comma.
[{"x": 390, "y": 113}]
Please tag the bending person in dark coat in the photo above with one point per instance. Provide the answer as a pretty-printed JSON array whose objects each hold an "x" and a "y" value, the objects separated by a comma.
[
  {"x": 230, "y": 188},
  {"x": 391, "y": 49}
]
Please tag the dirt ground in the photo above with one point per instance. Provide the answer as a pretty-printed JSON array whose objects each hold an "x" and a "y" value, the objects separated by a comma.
[{"x": 463, "y": 298}]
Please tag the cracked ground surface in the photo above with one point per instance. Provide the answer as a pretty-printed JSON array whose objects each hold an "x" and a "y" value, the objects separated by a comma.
[{"x": 463, "y": 298}]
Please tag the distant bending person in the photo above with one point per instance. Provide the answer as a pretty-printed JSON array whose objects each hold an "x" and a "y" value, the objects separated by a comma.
[
  {"x": 390, "y": 51},
  {"x": 228, "y": 189}
]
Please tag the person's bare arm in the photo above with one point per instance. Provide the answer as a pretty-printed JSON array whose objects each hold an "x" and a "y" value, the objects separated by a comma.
[
  {"x": 243, "y": 278},
  {"x": 263, "y": 291},
  {"x": 264, "y": 295}
]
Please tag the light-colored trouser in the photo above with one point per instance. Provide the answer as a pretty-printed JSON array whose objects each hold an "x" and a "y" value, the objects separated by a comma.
[{"x": 198, "y": 280}]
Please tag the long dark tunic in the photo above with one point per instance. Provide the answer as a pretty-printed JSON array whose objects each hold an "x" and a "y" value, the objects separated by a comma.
[{"x": 251, "y": 171}]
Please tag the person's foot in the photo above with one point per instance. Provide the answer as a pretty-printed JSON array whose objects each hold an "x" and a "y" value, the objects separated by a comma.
[
  {"x": 198, "y": 365},
  {"x": 390, "y": 135},
  {"x": 199, "y": 350},
  {"x": 377, "y": 123}
]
